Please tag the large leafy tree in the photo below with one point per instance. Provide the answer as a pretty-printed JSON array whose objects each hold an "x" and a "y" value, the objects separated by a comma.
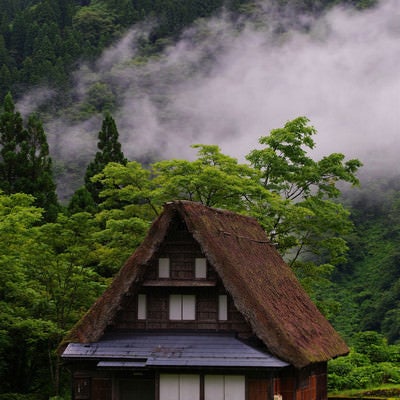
[
  {"x": 291, "y": 194},
  {"x": 130, "y": 201},
  {"x": 310, "y": 227},
  {"x": 214, "y": 179},
  {"x": 23, "y": 331},
  {"x": 46, "y": 281}
]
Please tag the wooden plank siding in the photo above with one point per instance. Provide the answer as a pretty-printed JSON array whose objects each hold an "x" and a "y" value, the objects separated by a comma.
[
  {"x": 259, "y": 389},
  {"x": 158, "y": 312},
  {"x": 306, "y": 384},
  {"x": 122, "y": 387},
  {"x": 182, "y": 250}
]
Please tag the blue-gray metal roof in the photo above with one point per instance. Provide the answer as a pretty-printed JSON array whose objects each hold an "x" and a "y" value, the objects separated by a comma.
[{"x": 163, "y": 350}]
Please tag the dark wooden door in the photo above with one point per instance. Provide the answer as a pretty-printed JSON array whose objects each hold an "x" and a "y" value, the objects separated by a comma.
[
  {"x": 136, "y": 389},
  {"x": 259, "y": 389},
  {"x": 101, "y": 389}
]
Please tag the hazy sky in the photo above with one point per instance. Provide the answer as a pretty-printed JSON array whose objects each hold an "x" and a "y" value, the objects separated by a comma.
[{"x": 219, "y": 85}]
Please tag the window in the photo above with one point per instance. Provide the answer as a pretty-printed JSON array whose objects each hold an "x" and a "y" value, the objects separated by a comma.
[
  {"x": 200, "y": 268},
  {"x": 179, "y": 387},
  {"x": 182, "y": 307},
  {"x": 163, "y": 268},
  {"x": 224, "y": 387},
  {"x": 142, "y": 306},
  {"x": 223, "y": 307}
]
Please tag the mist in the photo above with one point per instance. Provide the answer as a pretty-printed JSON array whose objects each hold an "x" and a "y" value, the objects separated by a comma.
[{"x": 229, "y": 82}]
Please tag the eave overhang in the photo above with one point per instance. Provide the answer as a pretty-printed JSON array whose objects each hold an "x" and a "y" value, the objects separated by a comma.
[{"x": 172, "y": 351}]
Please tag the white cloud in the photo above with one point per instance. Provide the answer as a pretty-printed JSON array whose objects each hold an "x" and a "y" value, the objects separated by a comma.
[{"x": 221, "y": 85}]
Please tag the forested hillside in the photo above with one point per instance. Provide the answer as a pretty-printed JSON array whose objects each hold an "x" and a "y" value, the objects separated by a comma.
[
  {"x": 369, "y": 280},
  {"x": 71, "y": 213},
  {"x": 42, "y": 40}
]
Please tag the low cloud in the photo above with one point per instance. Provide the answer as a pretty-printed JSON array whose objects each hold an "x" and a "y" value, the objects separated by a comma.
[{"x": 228, "y": 83}]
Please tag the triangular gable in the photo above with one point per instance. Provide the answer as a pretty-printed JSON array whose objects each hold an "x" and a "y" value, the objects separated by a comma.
[{"x": 263, "y": 287}]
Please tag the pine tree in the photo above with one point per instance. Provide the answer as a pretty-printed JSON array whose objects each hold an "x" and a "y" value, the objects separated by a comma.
[
  {"x": 109, "y": 151},
  {"x": 12, "y": 136},
  {"x": 39, "y": 169},
  {"x": 25, "y": 164}
]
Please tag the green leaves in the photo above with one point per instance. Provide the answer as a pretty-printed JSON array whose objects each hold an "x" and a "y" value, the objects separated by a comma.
[
  {"x": 308, "y": 226},
  {"x": 371, "y": 363},
  {"x": 291, "y": 194},
  {"x": 288, "y": 170},
  {"x": 214, "y": 179},
  {"x": 25, "y": 164},
  {"x": 46, "y": 282},
  {"x": 109, "y": 151}
]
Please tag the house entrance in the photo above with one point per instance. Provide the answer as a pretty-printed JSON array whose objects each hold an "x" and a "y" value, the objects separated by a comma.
[{"x": 136, "y": 389}]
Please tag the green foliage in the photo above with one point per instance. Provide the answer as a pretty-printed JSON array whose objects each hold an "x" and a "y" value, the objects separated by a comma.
[
  {"x": 25, "y": 164},
  {"x": 12, "y": 136},
  {"x": 109, "y": 151},
  {"x": 287, "y": 191},
  {"x": 43, "y": 39},
  {"x": 369, "y": 281},
  {"x": 95, "y": 25},
  {"x": 214, "y": 179},
  {"x": 371, "y": 363},
  {"x": 129, "y": 184},
  {"x": 123, "y": 231},
  {"x": 45, "y": 284},
  {"x": 308, "y": 225},
  {"x": 50, "y": 273}
]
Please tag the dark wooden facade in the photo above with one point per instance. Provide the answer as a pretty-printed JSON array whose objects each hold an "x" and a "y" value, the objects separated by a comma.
[
  {"x": 181, "y": 250},
  {"x": 89, "y": 384},
  {"x": 180, "y": 273}
]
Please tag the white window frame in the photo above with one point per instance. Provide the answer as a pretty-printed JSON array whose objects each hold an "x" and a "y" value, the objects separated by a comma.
[
  {"x": 182, "y": 307},
  {"x": 200, "y": 268},
  {"x": 222, "y": 307},
  {"x": 142, "y": 306},
  {"x": 179, "y": 387},
  {"x": 164, "y": 269},
  {"x": 224, "y": 387}
]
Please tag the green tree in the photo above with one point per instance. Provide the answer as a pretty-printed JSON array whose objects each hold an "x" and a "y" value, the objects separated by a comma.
[
  {"x": 82, "y": 200},
  {"x": 46, "y": 282},
  {"x": 284, "y": 188},
  {"x": 38, "y": 179},
  {"x": 96, "y": 26},
  {"x": 214, "y": 179},
  {"x": 310, "y": 227},
  {"x": 25, "y": 164},
  {"x": 24, "y": 333},
  {"x": 12, "y": 137},
  {"x": 131, "y": 201},
  {"x": 109, "y": 151}
]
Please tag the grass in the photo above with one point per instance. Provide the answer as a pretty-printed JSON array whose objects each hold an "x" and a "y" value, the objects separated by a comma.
[{"x": 381, "y": 392}]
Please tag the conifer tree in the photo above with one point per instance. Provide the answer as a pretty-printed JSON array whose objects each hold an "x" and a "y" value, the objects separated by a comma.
[
  {"x": 40, "y": 182},
  {"x": 12, "y": 136},
  {"x": 25, "y": 164},
  {"x": 109, "y": 151}
]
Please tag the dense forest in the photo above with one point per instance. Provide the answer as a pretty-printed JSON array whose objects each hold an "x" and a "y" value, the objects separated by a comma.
[{"x": 62, "y": 242}]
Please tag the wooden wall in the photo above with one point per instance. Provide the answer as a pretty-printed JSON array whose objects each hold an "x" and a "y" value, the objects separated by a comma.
[
  {"x": 307, "y": 384},
  {"x": 182, "y": 250}
]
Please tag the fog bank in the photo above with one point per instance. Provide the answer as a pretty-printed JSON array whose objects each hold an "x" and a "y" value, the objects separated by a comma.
[{"x": 228, "y": 83}]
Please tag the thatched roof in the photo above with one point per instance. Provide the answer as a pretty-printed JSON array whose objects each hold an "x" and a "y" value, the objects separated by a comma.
[{"x": 262, "y": 285}]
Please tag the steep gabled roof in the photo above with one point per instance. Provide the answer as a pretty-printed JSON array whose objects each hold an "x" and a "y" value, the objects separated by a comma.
[{"x": 263, "y": 287}]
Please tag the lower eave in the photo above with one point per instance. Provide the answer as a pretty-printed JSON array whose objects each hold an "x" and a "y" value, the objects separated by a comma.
[{"x": 172, "y": 351}]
